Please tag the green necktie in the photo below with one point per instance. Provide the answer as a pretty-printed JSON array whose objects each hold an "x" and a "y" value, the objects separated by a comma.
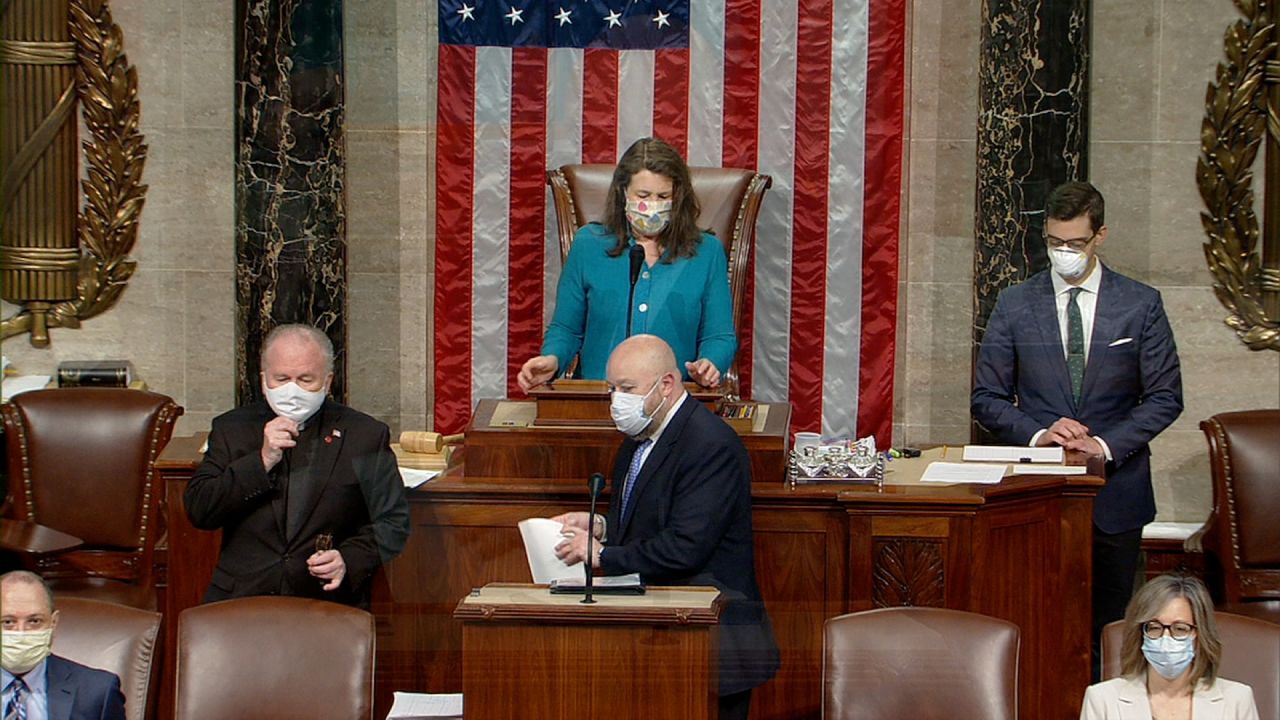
[{"x": 1075, "y": 344}]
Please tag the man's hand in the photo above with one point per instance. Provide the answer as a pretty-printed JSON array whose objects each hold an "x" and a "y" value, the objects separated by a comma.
[
  {"x": 1087, "y": 445},
  {"x": 574, "y": 546},
  {"x": 328, "y": 565},
  {"x": 1064, "y": 431},
  {"x": 578, "y": 521},
  {"x": 704, "y": 372},
  {"x": 537, "y": 371},
  {"x": 277, "y": 436}
]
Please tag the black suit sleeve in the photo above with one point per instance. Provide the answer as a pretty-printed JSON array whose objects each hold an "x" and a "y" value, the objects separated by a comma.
[
  {"x": 388, "y": 530},
  {"x": 702, "y": 506},
  {"x": 113, "y": 701},
  {"x": 229, "y": 483}
]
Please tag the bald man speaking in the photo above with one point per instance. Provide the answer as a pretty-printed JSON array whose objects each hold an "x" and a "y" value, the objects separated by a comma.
[{"x": 680, "y": 509}]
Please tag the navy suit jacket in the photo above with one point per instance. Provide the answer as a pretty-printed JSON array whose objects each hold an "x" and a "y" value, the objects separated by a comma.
[
  {"x": 360, "y": 500},
  {"x": 77, "y": 692},
  {"x": 689, "y": 523},
  {"x": 1132, "y": 384}
]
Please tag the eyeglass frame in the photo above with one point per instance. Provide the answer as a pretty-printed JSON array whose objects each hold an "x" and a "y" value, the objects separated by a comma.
[
  {"x": 1149, "y": 625},
  {"x": 1077, "y": 244}
]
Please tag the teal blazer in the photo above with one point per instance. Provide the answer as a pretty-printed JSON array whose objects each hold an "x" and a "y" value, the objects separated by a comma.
[{"x": 685, "y": 303}]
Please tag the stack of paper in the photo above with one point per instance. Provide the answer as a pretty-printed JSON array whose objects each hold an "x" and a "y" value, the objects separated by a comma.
[{"x": 421, "y": 706}]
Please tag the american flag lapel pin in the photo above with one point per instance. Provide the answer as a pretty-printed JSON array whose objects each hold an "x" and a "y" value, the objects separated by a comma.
[{"x": 336, "y": 433}]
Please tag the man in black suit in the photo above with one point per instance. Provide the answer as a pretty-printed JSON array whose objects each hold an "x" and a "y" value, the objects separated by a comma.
[
  {"x": 306, "y": 491},
  {"x": 35, "y": 683},
  {"x": 680, "y": 511},
  {"x": 1083, "y": 357}
]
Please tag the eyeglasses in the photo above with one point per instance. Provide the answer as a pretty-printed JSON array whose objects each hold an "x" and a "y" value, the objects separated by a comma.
[
  {"x": 1077, "y": 244},
  {"x": 1154, "y": 629}
]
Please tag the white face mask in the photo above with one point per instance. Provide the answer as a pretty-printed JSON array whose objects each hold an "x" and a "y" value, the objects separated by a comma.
[
  {"x": 1068, "y": 263},
  {"x": 1170, "y": 657},
  {"x": 648, "y": 217},
  {"x": 291, "y": 401},
  {"x": 24, "y": 650},
  {"x": 627, "y": 410}
]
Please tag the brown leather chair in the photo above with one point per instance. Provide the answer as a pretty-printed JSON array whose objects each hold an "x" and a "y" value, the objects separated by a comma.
[
  {"x": 1250, "y": 654},
  {"x": 82, "y": 461},
  {"x": 730, "y": 200},
  {"x": 111, "y": 637},
  {"x": 920, "y": 663},
  {"x": 1242, "y": 538},
  {"x": 275, "y": 658}
]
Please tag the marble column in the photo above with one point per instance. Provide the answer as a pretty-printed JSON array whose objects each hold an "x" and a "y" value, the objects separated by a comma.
[
  {"x": 1033, "y": 121},
  {"x": 291, "y": 246}
]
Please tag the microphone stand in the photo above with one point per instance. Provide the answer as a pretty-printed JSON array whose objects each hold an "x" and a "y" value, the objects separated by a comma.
[{"x": 594, "y": 485}]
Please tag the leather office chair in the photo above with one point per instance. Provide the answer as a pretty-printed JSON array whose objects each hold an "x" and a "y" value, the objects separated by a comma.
[
  {"x": 921, "y": 663},
  {"x": 111, "y": 637},
  {"x": 1250, "y": 654},
  {"x": 1241, "y": 538},
  {"x": 730, "y": 200},
  {"x": 275, "y": 658},
  {"x": 82, "y": 461}
]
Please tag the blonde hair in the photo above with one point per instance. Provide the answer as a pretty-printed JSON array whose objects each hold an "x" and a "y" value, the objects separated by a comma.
[{"x": 1147, "y": 604}]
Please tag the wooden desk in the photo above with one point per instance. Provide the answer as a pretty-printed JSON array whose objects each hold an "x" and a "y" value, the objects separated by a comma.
[
  {"x": 527, "y": 653},
  {"x": 1020, "y": 551}
]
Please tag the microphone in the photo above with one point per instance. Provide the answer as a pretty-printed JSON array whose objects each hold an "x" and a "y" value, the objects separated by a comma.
[
  {"x": 595, "y": 484},
  {"x": 637, "y": 260}
]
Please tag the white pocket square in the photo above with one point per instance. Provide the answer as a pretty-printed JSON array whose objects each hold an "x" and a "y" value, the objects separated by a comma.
[{"x": 1121, "y": 341}]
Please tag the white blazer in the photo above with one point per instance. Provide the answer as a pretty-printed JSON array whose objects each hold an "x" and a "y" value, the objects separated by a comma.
[{"x": 1126, "y": 699}]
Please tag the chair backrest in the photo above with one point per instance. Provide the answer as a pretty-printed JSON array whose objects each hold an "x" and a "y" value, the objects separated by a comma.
[
  {"x": 275, "y": 657},
  {"x": 82, "y": 460},
  {"x": 1250, "y": 654},
  {"x": 111, "y": 637},
  {"x": 922, "y": 663},
  {"x": 1244, "y": 457},
  {"x": 730, "y": 200}
]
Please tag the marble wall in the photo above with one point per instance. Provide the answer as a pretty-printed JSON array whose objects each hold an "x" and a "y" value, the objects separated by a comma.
[{"x": 1151, "y": 62}]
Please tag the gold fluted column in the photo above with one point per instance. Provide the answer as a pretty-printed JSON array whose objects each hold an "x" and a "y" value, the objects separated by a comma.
[{"x": 39, "y": 252}]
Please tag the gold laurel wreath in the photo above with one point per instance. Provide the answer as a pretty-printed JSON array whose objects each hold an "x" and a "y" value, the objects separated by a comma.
[
  {"x": 1237, "y": 119},
  {"x": 114, "y": 156}
]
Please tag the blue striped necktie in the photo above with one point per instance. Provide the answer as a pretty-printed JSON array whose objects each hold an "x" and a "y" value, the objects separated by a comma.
[
  {"x": 632, "y": 471},
  {"x": 17, "y": 707}
]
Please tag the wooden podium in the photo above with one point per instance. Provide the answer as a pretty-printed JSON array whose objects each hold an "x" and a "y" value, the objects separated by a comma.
[{"x": 528, "y": 653}]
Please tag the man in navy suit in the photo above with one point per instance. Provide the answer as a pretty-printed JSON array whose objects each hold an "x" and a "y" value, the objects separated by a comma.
[
  {"x": 39, "y": 685},
  {"x": 680, "y": 510},
  {"x": 1083, "y": 357}
]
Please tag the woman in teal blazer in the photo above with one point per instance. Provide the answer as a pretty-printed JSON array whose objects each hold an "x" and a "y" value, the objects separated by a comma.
[{"x": 681, "y": 294}]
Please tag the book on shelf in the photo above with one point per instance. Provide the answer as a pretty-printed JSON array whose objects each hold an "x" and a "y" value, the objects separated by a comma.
[{"x": 95, "y": 373}]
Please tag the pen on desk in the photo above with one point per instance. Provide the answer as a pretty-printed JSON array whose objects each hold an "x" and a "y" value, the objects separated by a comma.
[{"x": 944, "y": 451}]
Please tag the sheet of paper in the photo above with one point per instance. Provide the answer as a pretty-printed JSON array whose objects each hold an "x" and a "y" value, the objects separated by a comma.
[
  {"x": 22, "y": 383},
  {"x": 608, "y": 581},
  {"x": 413, "y": 477},
  {"x": 1012, "y": 454},
  {"x": 1034, "y": 469},
  {"x": 945, "y": 472},
  {"x": 541, "y": 536},
  {"x": 412, "y": 706}
]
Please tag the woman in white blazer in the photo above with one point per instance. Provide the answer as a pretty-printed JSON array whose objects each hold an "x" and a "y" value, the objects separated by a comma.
[{"x": 1169, "y": 661}]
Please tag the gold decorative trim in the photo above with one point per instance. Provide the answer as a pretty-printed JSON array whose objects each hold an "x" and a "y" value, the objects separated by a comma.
[
  {"x": 38, "y": 258},
  {"x": 28, "y": 52},
  {"x": 107, "y": 225},
  {"x": 1238, "y": 116}
]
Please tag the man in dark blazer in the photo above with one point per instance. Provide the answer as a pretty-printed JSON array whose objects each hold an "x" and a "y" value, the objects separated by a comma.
[
  {"x": 680, "y": 510},
  {"x": 1083, "y": 357},
  {"x": 306, "y": 491},
  {"x": 46, "y": 685}
]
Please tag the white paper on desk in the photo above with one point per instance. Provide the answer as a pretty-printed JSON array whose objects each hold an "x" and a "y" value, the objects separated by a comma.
[
  {"x": 412, "y": 706},
  {"x": 541, "y": 536},
  {"x": 1013, "y": 454},
  {"x": 19, "y": 384},
  {"x": 1033, "y": 469},
  {"x": 414, "y": 477},
  {"x": 945, "y": 472}
]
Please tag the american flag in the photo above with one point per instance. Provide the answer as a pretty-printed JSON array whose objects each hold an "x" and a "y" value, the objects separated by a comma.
[{"x": 808, "y": 91}]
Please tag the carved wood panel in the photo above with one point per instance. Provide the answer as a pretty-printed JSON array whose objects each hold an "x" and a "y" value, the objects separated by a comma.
[{"x": 908, "y": 571}]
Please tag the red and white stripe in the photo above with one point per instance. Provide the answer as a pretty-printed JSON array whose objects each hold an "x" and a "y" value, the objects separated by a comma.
[{"x": 807, "y": 91}]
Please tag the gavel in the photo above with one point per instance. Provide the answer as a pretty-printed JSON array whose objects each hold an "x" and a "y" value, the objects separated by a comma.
[{"x": 418, "y": 441}]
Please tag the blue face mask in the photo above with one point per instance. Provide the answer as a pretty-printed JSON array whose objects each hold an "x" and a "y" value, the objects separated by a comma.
[{"x": 1168, "y": 656}]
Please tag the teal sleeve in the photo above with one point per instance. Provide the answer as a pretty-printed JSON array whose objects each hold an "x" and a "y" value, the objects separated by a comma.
[
  {"x": 717, "y": 341},
  {"x": 568, "y": 324}
]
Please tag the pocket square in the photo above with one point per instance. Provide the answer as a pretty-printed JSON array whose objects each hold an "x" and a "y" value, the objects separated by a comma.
[{"x": 1121, "y": 341}]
